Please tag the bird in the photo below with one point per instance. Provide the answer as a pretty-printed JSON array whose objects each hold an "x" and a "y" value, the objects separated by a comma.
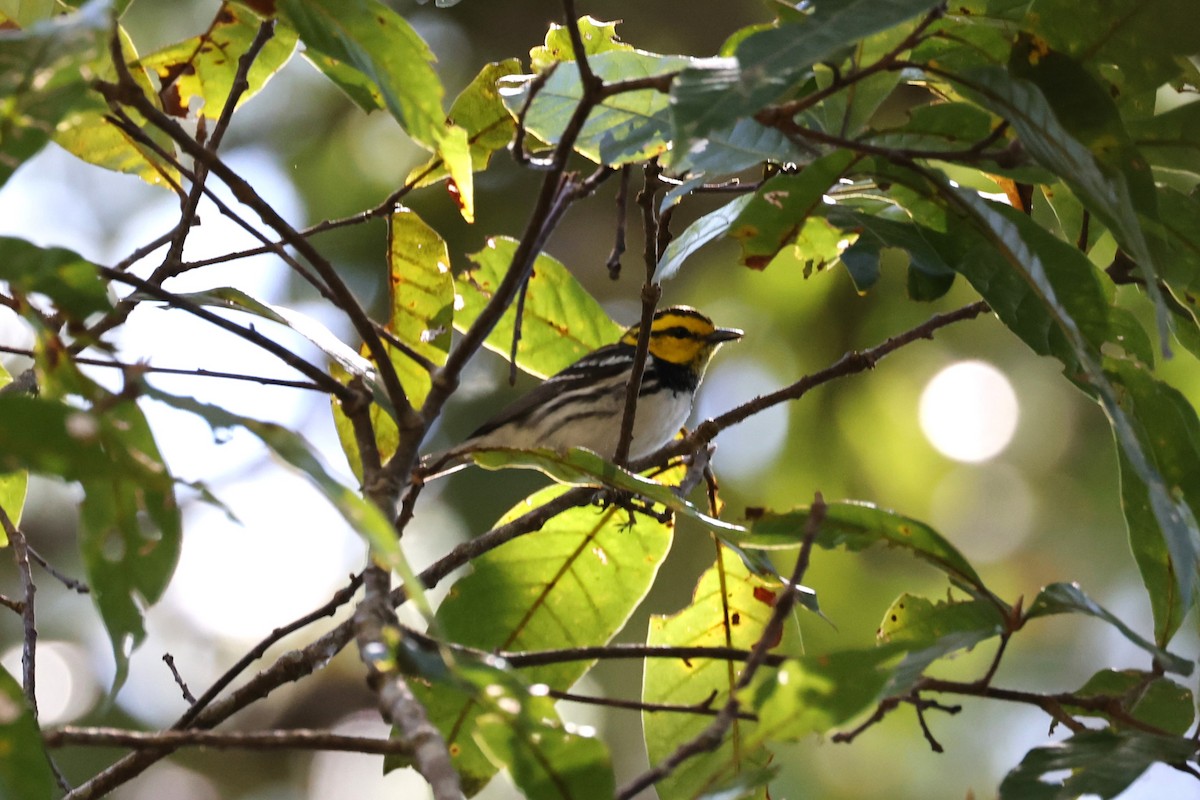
[{"x": 582, "y": 405}]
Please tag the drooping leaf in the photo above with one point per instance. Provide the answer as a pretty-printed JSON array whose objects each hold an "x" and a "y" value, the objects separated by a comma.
[
  {"x": 930, "y": 255},
  {"x": 1068, "y": 598},
  {"x": 573, "y": 582},
  {"x": 203, "y": 67},
  {"x": 24, "y": 768},
  {"x": 1100, "y": 763},
  {"x": 699, "y": 233},
  {"x": 562, "y": 322},
  {"x": 857, "y": 526},
  {"x": 733, "y": 148},
  {"x": 730, "y": 608}
]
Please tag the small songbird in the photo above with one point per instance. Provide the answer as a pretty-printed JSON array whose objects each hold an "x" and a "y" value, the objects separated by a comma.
[{"x": 582, "y": 405}]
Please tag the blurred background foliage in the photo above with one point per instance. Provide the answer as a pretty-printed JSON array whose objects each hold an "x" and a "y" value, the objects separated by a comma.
[{"x": 1044, "y": 509}]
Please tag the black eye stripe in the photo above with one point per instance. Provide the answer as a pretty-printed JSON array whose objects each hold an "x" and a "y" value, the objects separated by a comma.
[{"x": 676, "y": 332}]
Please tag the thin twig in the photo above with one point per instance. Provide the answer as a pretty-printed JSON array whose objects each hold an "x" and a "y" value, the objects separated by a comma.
[
  {"x": 169, "y": 660},
  {"x": 28, "y": 618},
  {"x": 703, "y": 709},
  {"x": 614, "y": 258},
  {"x": 288, "y": 739},
  {"x": 66, "y": 580}
]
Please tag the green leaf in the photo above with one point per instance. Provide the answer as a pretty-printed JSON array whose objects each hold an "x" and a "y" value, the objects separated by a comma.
[
  {"x": 1122, "y": 37},
  {"x": 561, "y": 323},
  {"x": 1079, "y": 330},
  {"x": 374, "y": 50},
  {"x": 626, "y": 128},
  {"x": 1150, "y": 698},
  {"x": 574, "y": 582},
  {"x": 1168, "y": 429},
  {"x": 857, "y": 526},
  {"x": 770, "y": 63},
  {"x": 203, "y": 67},
  {"x": 699, "y": 233},
  {"x": 733, "y": 148},
  {"x": 1106, "y": 192},
  {"x": 581, "y": 467},
  {"x": 1170, "y": 140},
  {"x": 730, "y": 608},
  {"x": 13, "y": 486},
  {"x": 598, "y": 37},
  {"x": 480, "y": 112},
  {"x": 1068, "y": 598},
  {"x": 42, "y": 79},
  {"x": 422, "y": 294},
  {"x": 847, "y": 113},
  {"x": 547, "y": 759},
  {"x": 1100, "y": 763},
  {"x": 66, "y": 277},
  {"x": 930, "y": 259},
  {"x": 774, "y": 215},
  {"x": 929, "y": 631},
  {"x": 24, "y": 768},
  {"x": 814, "y": 694}
]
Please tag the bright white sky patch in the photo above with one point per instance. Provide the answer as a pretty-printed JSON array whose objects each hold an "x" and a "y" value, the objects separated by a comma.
[{"x": 969, "y": 411}]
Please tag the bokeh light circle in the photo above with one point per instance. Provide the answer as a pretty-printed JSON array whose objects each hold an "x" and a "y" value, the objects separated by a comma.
[{"x": 969, "y": 411}]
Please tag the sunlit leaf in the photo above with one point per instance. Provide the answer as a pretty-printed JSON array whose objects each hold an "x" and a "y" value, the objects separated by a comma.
[
  {"x": 1068, "y": 598},
  {"x": 561, "y": 323},
  {"x": 598, "y": 37},
  {"x": 730, "y": 608},
  {"x": 203, "y": 67},
  {"x": 24, "y": 769},
  {"x": 574, "y": 582},
  {"x": 1100, "y": 763}
]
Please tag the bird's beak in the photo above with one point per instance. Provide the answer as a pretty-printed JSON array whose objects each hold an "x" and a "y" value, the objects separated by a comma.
[{"x": 725, "y": 335}]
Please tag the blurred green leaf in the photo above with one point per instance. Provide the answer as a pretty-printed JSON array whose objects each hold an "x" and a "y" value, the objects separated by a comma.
[
  {"x": 24, "y": 768},
  {"x": 770, "y": 63},
  {"x": 1170, "y": 140},
  {"x": 771, "y": 219},
  {"x": 730, "y": 608},
  {"x": 572, "y": 583},
  {"x": 699, "y": 233},
  {"x": 1094, "y": 763},
  {"x": 1068, "y": 598},
  {"x": 562, "y": 322},
  {"x": 857, "y": 526},
  {"x": 204, "y": 66},
  {"x": 42, "y": 79},
  {"x": 67, "y": 278},
  {"x": 1150, "y": 698}
]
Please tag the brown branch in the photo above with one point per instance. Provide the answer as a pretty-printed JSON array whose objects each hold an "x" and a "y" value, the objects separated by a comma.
[
  {"x": 288, "y": 739},
  {"x": 614, "y": 258},
  {"x": 703, "y": 709},
  {"x": 169, "y": 660},
  {"x": 66, "y": 580},
  {"x": 20, "y": 549}
]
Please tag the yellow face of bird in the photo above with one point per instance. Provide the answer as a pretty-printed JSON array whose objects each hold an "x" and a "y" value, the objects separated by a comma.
[{"x": 682, "y": 335}]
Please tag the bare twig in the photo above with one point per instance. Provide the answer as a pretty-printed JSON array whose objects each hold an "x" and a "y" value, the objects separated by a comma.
[
  {"x": 614, "y": 258},
  {"x": 169, "y": 660},
  {"x": 290, "y": 739},
  {"x": 703, "y": 709},
  {"x": 66, "y": 580},
  {"x": 28, "y": 618}
]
